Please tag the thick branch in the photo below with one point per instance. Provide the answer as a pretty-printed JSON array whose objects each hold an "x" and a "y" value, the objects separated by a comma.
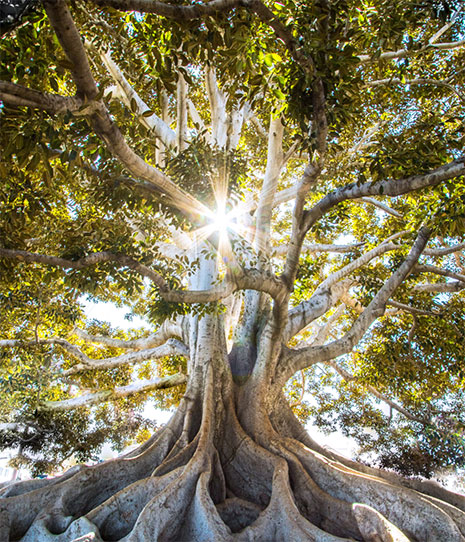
[
  {"x": 173, "y": 11},
  {"x": 440, "y": 287},
  {"x": 89, "y": 399},
  {"x": 181, "y": 113},
  {"x": 308, "y": 311},
  {"x": 102, "y": 123},
  {"x": 438, "y": 271},
  {"x": 330, "y": 291},
  {"x": 171, "y": 347},
  {"x": 444, "y": 251},
  {"x": 127, "y": 94},
  {"x": 13, "y": 94},
  {"x": 93, "y": 259},
  {"x": 391, "y": 187},
  {"x": 217, "y": 109},
  {"x": 356, "y": 264},
  {"x": 270, "y": 182},
  {"x": 166, "y": 331},
  {"x": 247, "y": 279},
  {"x": 299, "y": 359}
]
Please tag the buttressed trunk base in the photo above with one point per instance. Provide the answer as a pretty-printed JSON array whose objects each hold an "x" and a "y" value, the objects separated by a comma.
[{"x": 226, "y": 469}]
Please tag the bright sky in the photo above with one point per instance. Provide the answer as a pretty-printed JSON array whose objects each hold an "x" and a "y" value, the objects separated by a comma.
[{"x": 109, "y": 312}]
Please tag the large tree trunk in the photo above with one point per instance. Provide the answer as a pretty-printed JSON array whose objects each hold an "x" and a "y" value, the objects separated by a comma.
[{"x": 227, "y": 468}]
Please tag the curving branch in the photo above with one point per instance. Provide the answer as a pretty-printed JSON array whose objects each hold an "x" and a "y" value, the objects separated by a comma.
[
  {"x": 213, "y": 8},
  {"x": 444, "y": 28},
  {"x": 100, "y": 119},
  {"x": 423, "y": 268},
  {"x": 440, "y": 287},
  {"x": 403, "y": 53},
  {"x": 448, "y": 46},
  {"x": 245, "y": 279},
  {"x": 128, "y": 95},
  {"x": 356, "y": 264},
  {"x": 167, "y": 330},
  {"x": 17, "y": 95},
  {"x": 330, "y": 291},
  {"x": 391, "y": 187},
  {"x": 93, "y": 259},
  {"x": 444, "y": 251},
  {"x": 417, "y": 81},
  {"x": 298, "y": 359},
  {"x": 308, "y": 311},
  {"x": 170, "y": 348},
  {"x": 409, "y": 308},
  {"x": 89, "y": 399},
  {"x": 172, "y": 11}
]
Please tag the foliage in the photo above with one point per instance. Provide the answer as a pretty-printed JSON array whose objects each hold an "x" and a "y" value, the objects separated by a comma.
[{"x": 63, "y": 193}]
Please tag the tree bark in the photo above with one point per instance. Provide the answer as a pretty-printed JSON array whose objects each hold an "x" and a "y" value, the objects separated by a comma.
[{"x": 230, "y": 467}]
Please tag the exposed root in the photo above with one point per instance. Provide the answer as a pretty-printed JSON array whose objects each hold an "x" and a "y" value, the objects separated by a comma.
[
  {"x": 405, "y": 508},
  {"x": 374, "y": 527},
  {"x": 207, "y": 476},
  {"x": 287, "y": 425}
]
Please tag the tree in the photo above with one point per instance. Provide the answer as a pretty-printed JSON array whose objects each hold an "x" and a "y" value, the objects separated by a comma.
[{"x": 278, "y": 188}]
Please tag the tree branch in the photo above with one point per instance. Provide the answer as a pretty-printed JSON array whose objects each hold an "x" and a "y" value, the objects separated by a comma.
[
  {"x": 181, "y": 113},
  {"x": 170, "y": 348},
  {"x": 440, "y": 287},
  {"x": 330, "y": 291},
  {"x": 356, "y": 264},
  {"x": 351, "y": 378},
  {"x": 217, "y": 108},
  {"x": 308, "y": 311},
  {"x": 308, "y": 249},
  {"x": 299, "y": 359},
  {"x": 101, "y": 121},
  {"x": 245, "y": 279},
  {"x": 409, "y": 308},
  {"x": 11, "y": 93},
  {"x": 270, "y": 182},
  {"x": 443, "y": 251},
  {"x": 173, "y": 11},
  {"x": 391, "y": 187},
  {"x": 402, "y": 53},
  {"x": 127, "y": 94},
  {"x": 418, "y": 81},
  {"x": 423, "y": 268},
  {"x": 93, "y": 259},
  {"x": 383, "y": 207},
  {"x": 89, "y": 399},
  {"x": 166, "y": 331}
]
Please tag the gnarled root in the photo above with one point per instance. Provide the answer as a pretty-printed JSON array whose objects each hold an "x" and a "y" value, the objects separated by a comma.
[{"x": 207, "y": 476}]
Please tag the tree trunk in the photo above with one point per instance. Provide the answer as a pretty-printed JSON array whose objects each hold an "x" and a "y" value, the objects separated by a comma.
[{"x": 226, "y": 468}]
